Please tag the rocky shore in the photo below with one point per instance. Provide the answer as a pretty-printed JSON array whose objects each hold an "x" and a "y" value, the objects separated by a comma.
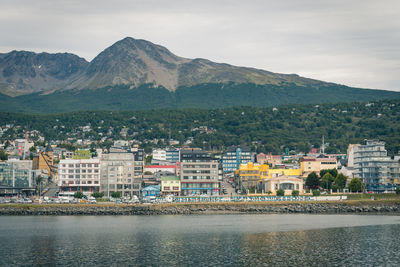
[{"x": 365, "y": 207}]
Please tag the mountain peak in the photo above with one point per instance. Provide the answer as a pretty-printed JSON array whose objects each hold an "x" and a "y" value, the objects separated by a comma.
[{"x": 131, "y": 62}]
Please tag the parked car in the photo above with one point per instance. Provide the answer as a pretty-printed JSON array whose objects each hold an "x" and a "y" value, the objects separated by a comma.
[{"x": 92, "y": 200}]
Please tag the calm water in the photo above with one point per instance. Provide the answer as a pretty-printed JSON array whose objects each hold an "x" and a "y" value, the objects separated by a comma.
[{"x": 205, "y": 240}]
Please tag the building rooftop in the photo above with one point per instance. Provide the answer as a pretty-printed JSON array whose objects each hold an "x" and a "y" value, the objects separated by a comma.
[{"x": 170, "y": 178}]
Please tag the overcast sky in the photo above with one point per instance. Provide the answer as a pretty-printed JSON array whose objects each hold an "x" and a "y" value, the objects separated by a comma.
[{"x": 356, "y": 43}]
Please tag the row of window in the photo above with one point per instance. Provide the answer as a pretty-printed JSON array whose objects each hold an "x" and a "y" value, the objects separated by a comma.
[
  {"x": 78, "y": 176},
  {"x": 204, "y": 166},
  {"x": 81, "y": 165},
  {"x": 79, "y": 170},
  {"x": 197, "y": 177}
]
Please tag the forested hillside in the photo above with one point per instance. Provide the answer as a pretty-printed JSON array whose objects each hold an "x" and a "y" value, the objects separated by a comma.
[
  {"x": 297, "y": 127},
  {"x": 205, "y": 96}
]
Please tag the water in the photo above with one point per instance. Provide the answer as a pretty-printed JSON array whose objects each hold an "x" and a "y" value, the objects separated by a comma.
[{"x": 204, "y": 240}]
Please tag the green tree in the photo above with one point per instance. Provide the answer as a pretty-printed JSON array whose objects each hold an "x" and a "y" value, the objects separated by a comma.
[
  {"x": 116, "y": 194},
  {"x": 78, "y": 194},
  {"x": 316, "y": 193},
  {"x": 295, "y": 193},
  {"x": 333, "y": 172},
  {"x": 280, "y": 192},
  {"x": 98, "y": 194},
  {"x": 398, "y": 190},
  {"x": 340, "y": 181},
  {"x": 3, "y": 155},
  {"x": 356, "y": 185},
  {"x": 327, "y": 181},
  {"x": 312, "y": 180}
]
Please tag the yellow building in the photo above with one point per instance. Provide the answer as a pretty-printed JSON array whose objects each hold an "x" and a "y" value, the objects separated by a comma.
[
  {"x": 313, "y": 164},
  {"x": 44, "y": 161},
  {"x": 170, "y": 185},
  {"x": 251, "y": 175}
]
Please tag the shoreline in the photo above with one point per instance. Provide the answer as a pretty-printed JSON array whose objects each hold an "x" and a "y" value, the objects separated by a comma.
[{"x": 383, "y": 207}]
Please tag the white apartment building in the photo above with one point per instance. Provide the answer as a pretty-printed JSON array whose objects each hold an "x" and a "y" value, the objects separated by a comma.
[
  {"x": 79, "y": 175},
  {"x": 159, "y": 154}
]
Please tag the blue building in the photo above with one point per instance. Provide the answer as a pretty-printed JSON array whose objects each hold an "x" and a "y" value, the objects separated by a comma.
[
  {"x": 173, "y": 155},
  {"x": 234, "y": 156},
  {"x": 151, "y": 190}
]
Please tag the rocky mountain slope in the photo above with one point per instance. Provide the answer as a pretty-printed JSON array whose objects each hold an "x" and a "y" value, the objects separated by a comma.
[
  {"x": 127, "y": 62},
  {"x": 24, "y": 72}
]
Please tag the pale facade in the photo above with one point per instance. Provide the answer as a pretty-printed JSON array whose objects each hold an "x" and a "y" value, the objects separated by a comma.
[
  {"x": 79, "y": 175},
  {"x": 118, "y": 174},
  {"x": 313, "y": 164},
  {"x": 170, "y": 185},
  {"x": 288, "y": 184}
]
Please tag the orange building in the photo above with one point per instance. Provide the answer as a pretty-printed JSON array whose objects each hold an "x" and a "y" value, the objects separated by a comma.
[{"x": 44, "y": 161}]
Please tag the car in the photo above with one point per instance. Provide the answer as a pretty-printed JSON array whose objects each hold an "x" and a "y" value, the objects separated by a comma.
[{"x": 92, "y": 200}]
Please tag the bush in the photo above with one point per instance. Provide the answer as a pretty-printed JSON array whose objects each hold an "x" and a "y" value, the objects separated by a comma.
[
  {"x": 116, "y": 194},
  {"x": 398, "y": 190},
  {"x": 295, "y": 193},
  {"x": 78, "y": 194},
  {"x": 98, "y": 194},
  {"x": 280, "y": 192},
  {"x": 316, "y": 193}
]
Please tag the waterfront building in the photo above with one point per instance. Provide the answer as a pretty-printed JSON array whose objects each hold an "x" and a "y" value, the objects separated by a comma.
[
  {"x": 316, "y": 164},
  {"x": 287, "y": 183},
  {"x": 171, "y": 185},
  {"x": 118, "y": 174},
  {"x": 250, "y": 175},
  {"x": 79, "y": 175},
  {"x": 234, "y": 156},
  {"x": 375, "y": 168},
  {"x": 151, "y": 191},
  {"x": 16, "y": 177},
  {"x": 199, "y": 173}
]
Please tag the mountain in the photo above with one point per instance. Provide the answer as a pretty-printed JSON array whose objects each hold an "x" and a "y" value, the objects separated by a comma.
[
  {"x": 137, "y": 62},
  {"x": 23, "y": 72},
  {"x": 137, "y": 74}
]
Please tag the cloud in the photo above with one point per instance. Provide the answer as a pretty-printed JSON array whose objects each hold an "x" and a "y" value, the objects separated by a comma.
[{"x": 348, "y": 42}]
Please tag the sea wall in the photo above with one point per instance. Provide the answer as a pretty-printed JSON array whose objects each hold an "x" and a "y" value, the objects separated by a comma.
[{"x": 384, "y": 207}]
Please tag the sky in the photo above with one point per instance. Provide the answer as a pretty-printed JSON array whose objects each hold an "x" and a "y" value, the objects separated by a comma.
[{"x": 356, "y": 43}]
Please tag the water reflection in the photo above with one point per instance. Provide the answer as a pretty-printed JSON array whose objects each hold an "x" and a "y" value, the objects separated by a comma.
[{"x": 197, "y": 241}]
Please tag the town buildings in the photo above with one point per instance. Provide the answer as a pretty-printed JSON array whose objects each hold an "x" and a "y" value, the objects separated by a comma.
[
  {"x": 199, "y": 173},
  {"x": 251, "y": 175},
  {"x": 234, "y": 156},
  {"x": 79, "y": 175},
  {"x": 273, "y": 160},
  {"x": 169, "y": 154},
  {"x": 372, "y": 165},
  {"x": 173, "y": 169},
  {"x": 16, "y": 177},
  {"x": 170, "y": 185},
  {"x": 118, "y": 174},
  {"x": 288, "y": 184},
  {"x": 316, "y": 164},
  {"x": 44, "y": 161}
]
